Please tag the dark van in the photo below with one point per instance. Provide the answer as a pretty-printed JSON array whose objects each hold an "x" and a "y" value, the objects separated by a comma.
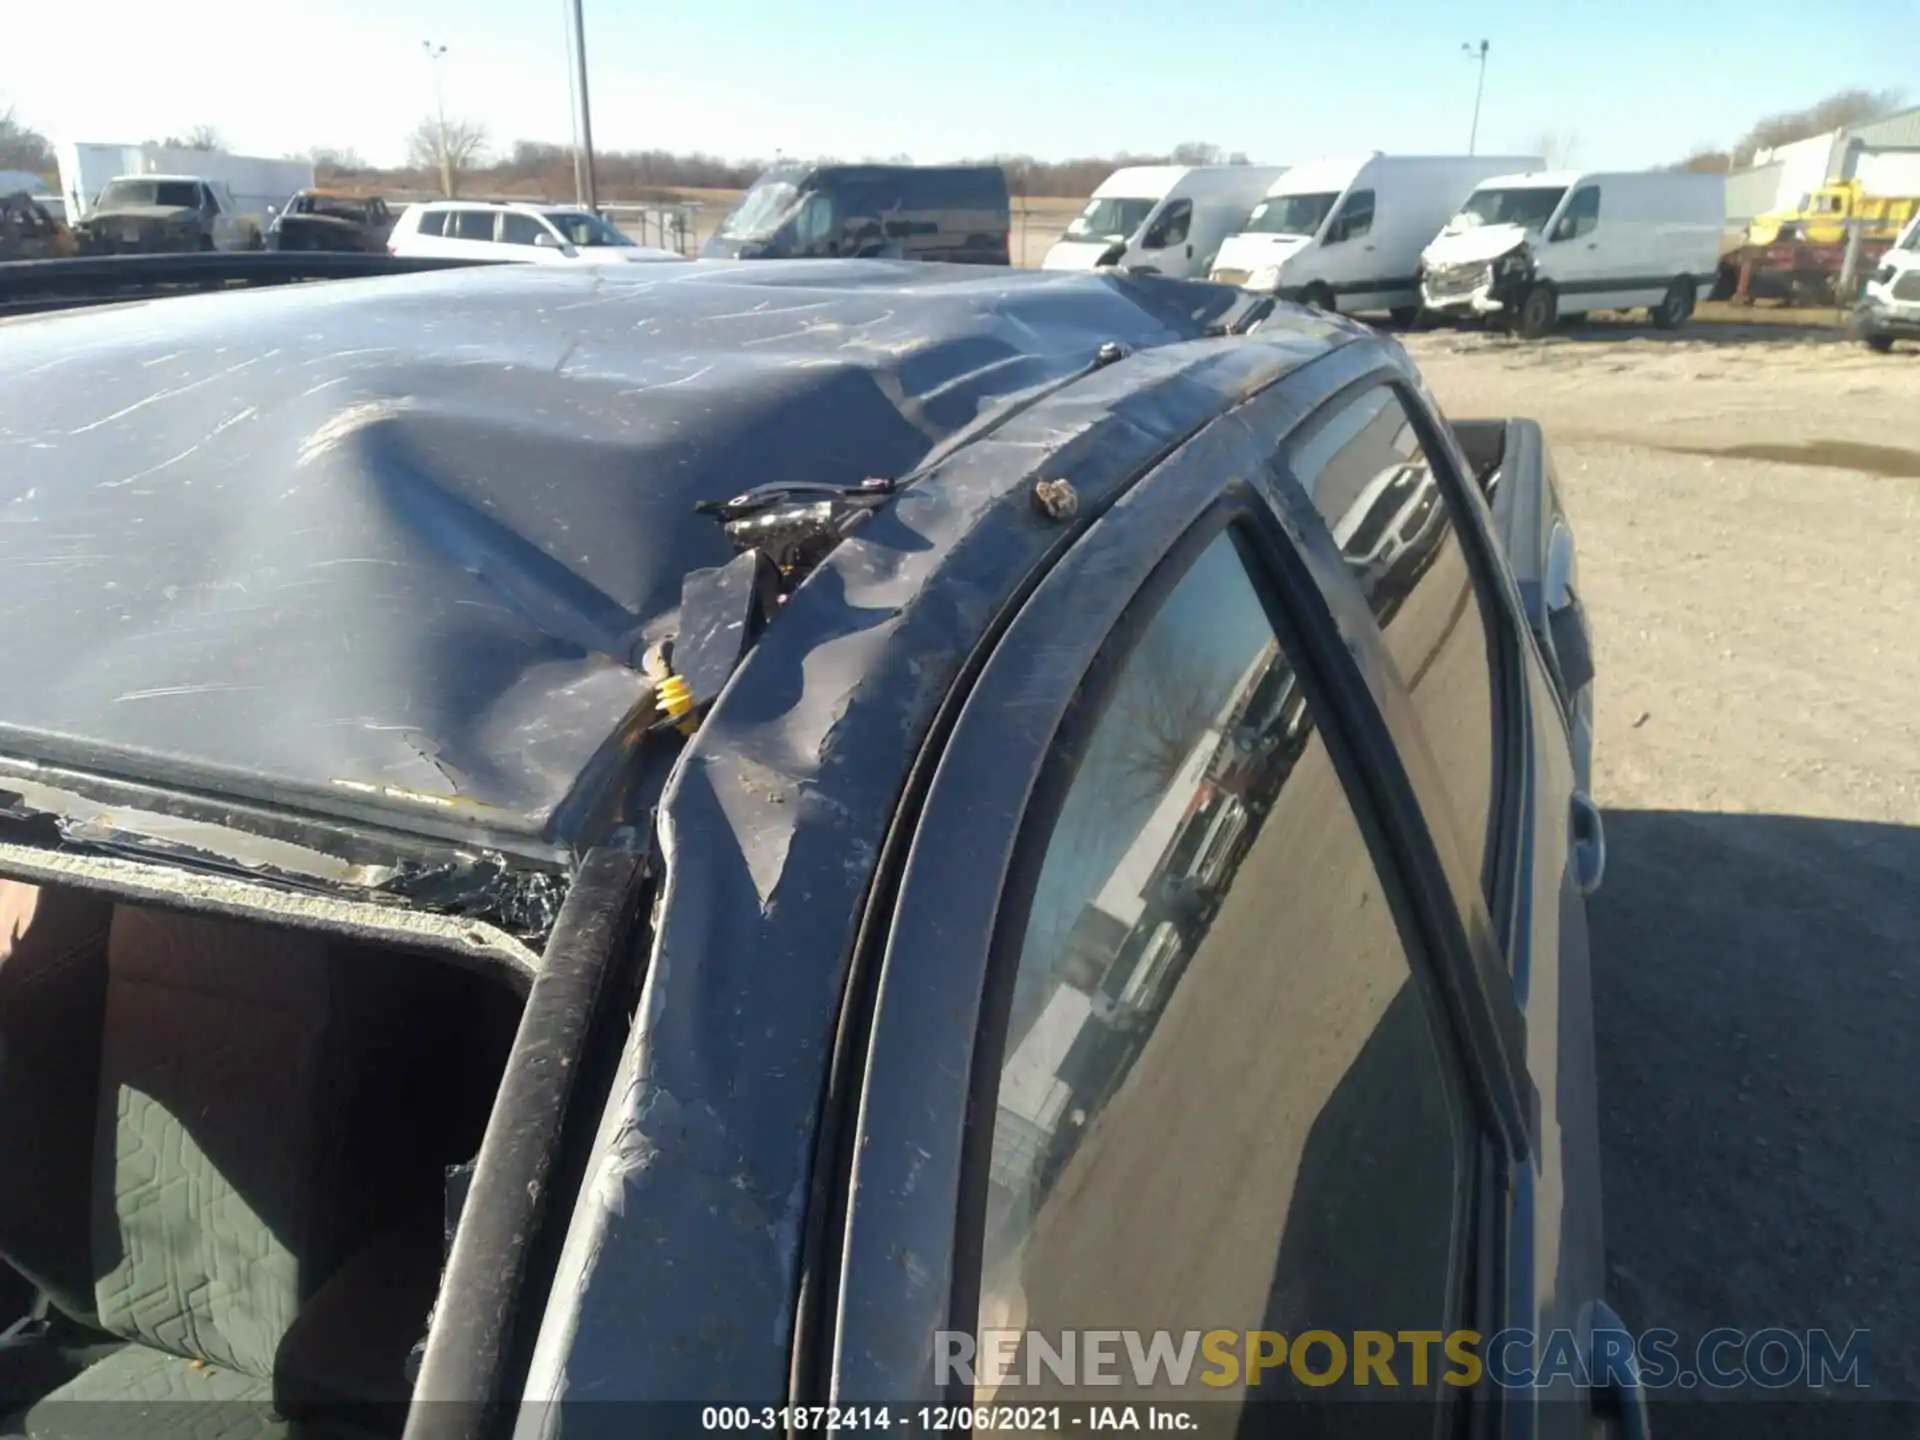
[{"x": 956, "y": 213}]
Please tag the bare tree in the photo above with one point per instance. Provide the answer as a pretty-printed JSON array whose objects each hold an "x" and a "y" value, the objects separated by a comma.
[
  {"x": 21, "y": 146},
  {"x": 1196, "y": 152},
  {"x": 454, "y": 148},
  {"x": 538, "y": 167},
  {"x": 1843, "y": 107},
  {"x": 1705, "y": 158},
  {"x": 200, "y": 137},
  {"x": 1559, "y": 148},
  {"x": 1836, "y": 111},
  {"x": 327, "y": 157},
  {"x": 1166, "y": 702}
]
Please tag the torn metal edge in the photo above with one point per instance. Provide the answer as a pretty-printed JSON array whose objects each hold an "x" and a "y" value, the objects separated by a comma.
[{"x": 472, "y": 943}]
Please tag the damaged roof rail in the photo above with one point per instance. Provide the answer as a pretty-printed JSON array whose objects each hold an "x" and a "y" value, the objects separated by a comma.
[
  {"x": 780, "y": 531},
  {"x": 30, "y": 287}
]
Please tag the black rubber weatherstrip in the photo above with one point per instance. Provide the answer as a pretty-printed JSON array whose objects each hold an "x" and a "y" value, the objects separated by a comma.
[{"x": 502, "y": 1262}]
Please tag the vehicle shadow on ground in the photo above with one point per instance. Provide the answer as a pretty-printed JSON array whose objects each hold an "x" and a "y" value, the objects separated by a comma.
[
  {"x": 1700, "y": 333},
  {"x": 1757, "y": 1008}
]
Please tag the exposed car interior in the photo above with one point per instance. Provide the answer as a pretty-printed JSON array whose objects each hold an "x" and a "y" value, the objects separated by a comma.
[{"x": 232, "y": 1157}]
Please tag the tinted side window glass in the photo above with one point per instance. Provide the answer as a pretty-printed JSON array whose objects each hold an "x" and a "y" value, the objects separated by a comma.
[
  {"x": 915, "y": 200},
  {"x": 1221, "y": 1100},
  {"x": 918, "y": 189},
  {"x": 1581, "y": 215},
  {"x": 1172, "y": 226},
  {"x": 433, "y": 222},
  {"x": 518, "y": 229},
  {"x": 1375, "y": 487},
  {"x": 473, "y": 224},
  {"x": 1356, "y": 216},
  {"x": 816, "y": 223}
]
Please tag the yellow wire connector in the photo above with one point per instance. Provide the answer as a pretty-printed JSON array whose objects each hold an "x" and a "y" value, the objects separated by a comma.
[{"x": 675, "y": 700}]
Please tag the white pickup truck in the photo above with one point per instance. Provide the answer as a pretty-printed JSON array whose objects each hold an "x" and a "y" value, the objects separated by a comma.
[{"x": 149, "y": 213}]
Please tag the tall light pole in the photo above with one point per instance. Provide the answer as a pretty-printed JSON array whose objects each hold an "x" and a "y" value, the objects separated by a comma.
[
  {"x": 573, "y": 114},
  {"x": 1479, "y": 88},
  {"x": 437, "y": 53},
  {"x": 584, "y": 154}
]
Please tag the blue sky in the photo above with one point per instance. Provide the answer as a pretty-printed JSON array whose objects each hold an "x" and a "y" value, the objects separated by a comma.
[{"x": 1634, "y": 82}]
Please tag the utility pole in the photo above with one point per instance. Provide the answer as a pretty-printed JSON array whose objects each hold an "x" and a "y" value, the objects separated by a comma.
[
  {"x": 1468, "y": 49},
  {"x": 437, "y": 53},
  {"x": 585, "y": 152},
  {"x": 573, "y": 114}
]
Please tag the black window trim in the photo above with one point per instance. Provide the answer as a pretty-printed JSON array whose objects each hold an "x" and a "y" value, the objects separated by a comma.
[
  {"x": 1181, "y": 208},
  {"x": 1277, "y": 416},
  {"x": 1244, "y": 519},
  {"x": 870, "y": 1352},
  {"x": 1506, "y": 640},
  {"x": 1346, "y": 213}
]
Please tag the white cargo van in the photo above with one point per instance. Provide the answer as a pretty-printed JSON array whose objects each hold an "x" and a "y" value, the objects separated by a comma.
[
  {"x": 1889, "y": 310},
  {"x": 1345, "y": 233},
  {"x": 1532, "y": 248},
  {"x": 1161, "y": 219}
]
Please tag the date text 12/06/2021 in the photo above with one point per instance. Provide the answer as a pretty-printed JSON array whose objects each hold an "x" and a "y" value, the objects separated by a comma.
[{"x": 909, "y": 1420}]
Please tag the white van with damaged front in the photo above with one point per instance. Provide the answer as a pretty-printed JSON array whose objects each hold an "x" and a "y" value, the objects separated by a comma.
[
  {"x": 1345, "y": 233},
  {"x": 1530, "y": 249}
]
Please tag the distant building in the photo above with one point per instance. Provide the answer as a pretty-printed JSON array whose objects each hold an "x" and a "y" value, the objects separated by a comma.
[{"x": 1883, "y": 155}]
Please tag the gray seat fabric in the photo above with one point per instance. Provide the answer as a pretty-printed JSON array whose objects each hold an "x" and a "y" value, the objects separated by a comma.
[
  {"x": 139, "y": 1392},
  {"x": 255, "y": 1127},
  {"x": 225, "y": 1053},
  {"x": 220, "y": 1064},
  {"x": 53, "y": 985}
]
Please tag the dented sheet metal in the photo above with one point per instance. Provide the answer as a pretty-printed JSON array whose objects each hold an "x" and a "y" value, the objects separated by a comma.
[
  {"x": 694, "y": 1211},
  {"x": 388, "y": 550}
]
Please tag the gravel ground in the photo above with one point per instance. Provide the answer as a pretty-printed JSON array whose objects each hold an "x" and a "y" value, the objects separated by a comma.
[{"x": 1747, "y": 505}]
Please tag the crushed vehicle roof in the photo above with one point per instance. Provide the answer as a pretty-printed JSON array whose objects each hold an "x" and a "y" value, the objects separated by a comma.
[{"x": 387, "y": 551}]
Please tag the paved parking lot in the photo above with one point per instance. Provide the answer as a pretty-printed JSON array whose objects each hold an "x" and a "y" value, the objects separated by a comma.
[{"x": 1747, "y": 500}]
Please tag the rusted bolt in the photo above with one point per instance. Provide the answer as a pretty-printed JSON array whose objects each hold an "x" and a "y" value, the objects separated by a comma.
[{"x": 1056, "y": 499}]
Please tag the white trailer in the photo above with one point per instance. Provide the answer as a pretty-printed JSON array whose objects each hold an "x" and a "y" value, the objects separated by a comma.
[
  {"x": 259, "y": 185},
  {"x": 1888, "y": 172}
]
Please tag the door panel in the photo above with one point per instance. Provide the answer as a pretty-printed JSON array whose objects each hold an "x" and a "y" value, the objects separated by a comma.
[
  {"x": 1202, "y": 965},
  {"x": 1584, "y": 259},
  {"x": 1350, "y": 258},
  {"x": 1372, "y": 481},
  {"x": 1210, "y": 982}
]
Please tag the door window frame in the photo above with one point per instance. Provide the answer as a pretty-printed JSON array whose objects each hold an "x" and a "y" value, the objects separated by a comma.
[
  {"x": 1570, "y": 223},
  {"x": 1493, "y": 866},
  {"x": 1349, "y": 210},
  {"x": 903, "y": 1184},
  {"x": 1163, "y": 222},
  {"x": 536, "y": 223},
  {"x": 1034, "y": 837}
]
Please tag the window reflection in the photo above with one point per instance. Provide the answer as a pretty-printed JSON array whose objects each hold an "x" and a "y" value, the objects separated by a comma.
[
  {"x": 1219, "y": 1091},
  {"x": 1373, "y": 483}
]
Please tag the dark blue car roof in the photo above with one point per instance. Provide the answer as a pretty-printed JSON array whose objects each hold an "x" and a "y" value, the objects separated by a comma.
[{"x": 385, "y": 549}]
